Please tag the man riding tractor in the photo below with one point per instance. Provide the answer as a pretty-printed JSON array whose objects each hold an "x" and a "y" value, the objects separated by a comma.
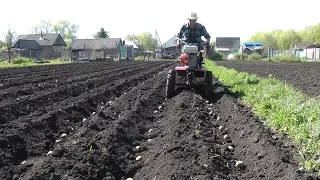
[{"x": 192, "y": 32}]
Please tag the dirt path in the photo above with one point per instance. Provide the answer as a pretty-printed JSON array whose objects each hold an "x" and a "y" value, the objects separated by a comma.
[{"x": 129, "y": 130}]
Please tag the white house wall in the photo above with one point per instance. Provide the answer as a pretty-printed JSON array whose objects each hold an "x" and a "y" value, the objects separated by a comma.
[{"x": 310, "y": 53}]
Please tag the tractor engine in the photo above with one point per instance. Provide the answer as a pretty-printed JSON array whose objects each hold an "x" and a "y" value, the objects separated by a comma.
[
  {"x": 189, "y": 56},
  {"x": 184, "y": 59}
]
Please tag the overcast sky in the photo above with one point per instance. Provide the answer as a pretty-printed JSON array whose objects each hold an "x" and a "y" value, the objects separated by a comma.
[{"x": 239, "y": 18}]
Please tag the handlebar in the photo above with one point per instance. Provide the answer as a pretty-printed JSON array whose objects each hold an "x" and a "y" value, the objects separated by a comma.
[{"x": 203, "y": 43}]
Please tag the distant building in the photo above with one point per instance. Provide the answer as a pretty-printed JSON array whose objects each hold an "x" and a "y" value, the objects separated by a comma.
[
  {"x": 45, "y": 46},
  {"x": 170, "y": 47},
  {"x": 227, "y": 45},
  {"x": 307, "y": 49},
  {"x": 95, "y": 49},
  {"x": 136, "y": 49}
]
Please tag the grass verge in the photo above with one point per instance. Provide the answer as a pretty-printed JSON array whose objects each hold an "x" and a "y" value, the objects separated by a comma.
[
  {"x": 23, "y": 62},
  {"x": 281, "y": 107}
]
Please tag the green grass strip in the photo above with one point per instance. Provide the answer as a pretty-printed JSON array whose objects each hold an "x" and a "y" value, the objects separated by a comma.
[
  {"x": 6, "y": 64},
  {"x": 280, "y": 106}
]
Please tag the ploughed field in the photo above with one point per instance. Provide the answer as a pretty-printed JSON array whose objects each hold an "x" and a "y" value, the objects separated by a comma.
[
  {"x": 111, "y": 120},
  {"x": 303, "y": 76}
]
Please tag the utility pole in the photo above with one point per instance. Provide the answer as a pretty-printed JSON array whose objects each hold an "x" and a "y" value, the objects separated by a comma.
[
  {"x": 8, "y": 50},
  {"x": 268, "y": 52},
  {"x": 292, "y": 37},
  {"x": 158, "y": 37},
  {"x": 161, "y": 46},
  {"x": 241, "y": 51},
  {"x": 292, "y": 46}
]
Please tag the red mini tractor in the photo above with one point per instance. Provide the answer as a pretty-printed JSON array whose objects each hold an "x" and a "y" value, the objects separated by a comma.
[{"x": 191, "y": 68}]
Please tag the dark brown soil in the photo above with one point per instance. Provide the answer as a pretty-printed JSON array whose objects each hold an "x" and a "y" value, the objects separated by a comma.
[
  {"x": 303, "y": 76},
  {"x": 106, "y": 117}
]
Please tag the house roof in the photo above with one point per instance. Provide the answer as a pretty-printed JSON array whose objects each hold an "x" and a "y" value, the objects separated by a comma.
[
  {"x": 227, "y": 42},
  {"x": 49, "y": 39},
  {"x": 172, "y": 42},
  {"x": 130, "y": 43},
  {"x": 303, "y": 45},
  {"x": 252, "y": 44},
  {"x": 314, "y": 46},
  {"x": 27, "y": 44},
  {"x": 99, "y": 43}
]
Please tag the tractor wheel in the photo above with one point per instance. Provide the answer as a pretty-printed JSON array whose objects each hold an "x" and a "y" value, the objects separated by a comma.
[
  {"x": 208, "y": 85},
  {"x": 170, "y": 85}
]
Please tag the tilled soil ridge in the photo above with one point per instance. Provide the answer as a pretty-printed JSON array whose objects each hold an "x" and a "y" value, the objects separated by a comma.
[
  {"x": 199, "y": 140},
  {"x": 266, "y": 154},
  {"x": 185, "y": 145},
  {"x": 129, "y": 130},
  {"x": 103, "y": 147},
  {"x": 34, "y": 135}
]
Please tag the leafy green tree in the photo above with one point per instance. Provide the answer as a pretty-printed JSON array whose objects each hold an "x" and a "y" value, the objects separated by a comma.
[
  {"x": 145, "y": 40},
  {"x": 277, "y": 39},
  {"x": 312, "y": 33},
  {"x": 66, "y": 29},
  {"x": 43, "y": 26},
  {"x": 11, "y": 35},
  {"x": 284, "y": 39},
  {"x": 267, "y": 39},
  {"x": 2, "y": 44},
  {"x": 101, "y": 34}
]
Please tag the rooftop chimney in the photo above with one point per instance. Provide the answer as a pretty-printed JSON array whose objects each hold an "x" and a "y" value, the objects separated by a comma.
[{"x": 41, "y": 35}]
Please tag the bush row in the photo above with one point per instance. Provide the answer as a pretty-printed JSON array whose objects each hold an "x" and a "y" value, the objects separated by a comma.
[
  {"x": 216, "y": 56},
  {"x": 278, "y": 58}
]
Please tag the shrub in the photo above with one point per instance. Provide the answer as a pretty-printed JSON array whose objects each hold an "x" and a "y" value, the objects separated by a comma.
[
  {"x": 21, "y": 60},
  {"x": 216, "y": 56},
  {"x": 255, "y": 56},
  {"x": 284, "y": 58},
  {"x": 304, "y": 59},
  {"x": 237, "y": 56},
  {"x": 140, "y": 58}
]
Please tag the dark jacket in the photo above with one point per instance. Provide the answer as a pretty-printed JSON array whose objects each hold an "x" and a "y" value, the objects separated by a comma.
[{"x": 193, "y": 35}]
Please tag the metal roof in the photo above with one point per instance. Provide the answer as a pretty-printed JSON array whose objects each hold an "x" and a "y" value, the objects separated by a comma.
[
  {"x": 47, "y": 40},
  {"x": 26, "y": 44},
  {"x": 99, "y": 43},
  {"x": 303, "y": 45},
  {"x": 130, "y": 43},
  {"x": 314, "y": 46},
  {"x": 172, "y": 42},
  {"x": 227, "y": 42},
  {"x": 252, "y": 43}
]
